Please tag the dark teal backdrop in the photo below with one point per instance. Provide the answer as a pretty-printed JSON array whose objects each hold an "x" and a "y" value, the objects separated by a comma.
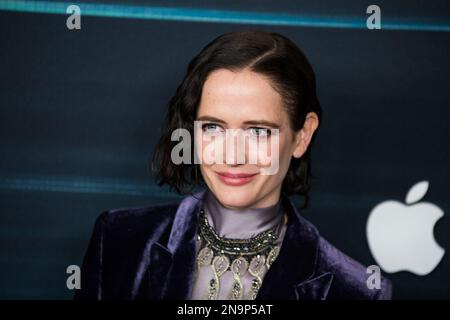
[{"x": 80, "y": 112}]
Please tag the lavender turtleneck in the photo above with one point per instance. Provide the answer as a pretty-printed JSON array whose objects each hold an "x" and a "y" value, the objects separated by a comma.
[{"x": 236, "y": 224}]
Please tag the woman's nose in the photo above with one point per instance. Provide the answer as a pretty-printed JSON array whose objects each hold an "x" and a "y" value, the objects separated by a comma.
[{"x": 235, "y": 148}]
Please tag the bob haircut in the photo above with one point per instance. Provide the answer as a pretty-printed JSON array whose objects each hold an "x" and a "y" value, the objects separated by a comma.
[{"x": 268, "y": 54}]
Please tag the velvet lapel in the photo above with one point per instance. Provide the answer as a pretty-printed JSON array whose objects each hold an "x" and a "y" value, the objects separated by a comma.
[
  {"x": 172, "y": 268},
  {"x": 293, "y": 276}
]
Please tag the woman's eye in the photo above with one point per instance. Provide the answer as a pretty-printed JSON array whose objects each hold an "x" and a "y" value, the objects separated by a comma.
[
  {"x": 210, "y": 127},
  {"x": 260, "y": 132}
]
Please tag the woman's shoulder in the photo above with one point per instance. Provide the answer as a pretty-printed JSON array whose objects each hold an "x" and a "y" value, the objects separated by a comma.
[
  {"x": 351, "y": 279},
  {"x": 138, "y": 218}
]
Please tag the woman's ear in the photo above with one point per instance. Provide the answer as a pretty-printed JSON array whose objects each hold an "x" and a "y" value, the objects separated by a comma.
[{"x": 304, "y": 135}]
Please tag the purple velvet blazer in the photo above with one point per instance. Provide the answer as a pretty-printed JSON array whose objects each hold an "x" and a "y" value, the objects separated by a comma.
[{"x": 149, "y": 253}]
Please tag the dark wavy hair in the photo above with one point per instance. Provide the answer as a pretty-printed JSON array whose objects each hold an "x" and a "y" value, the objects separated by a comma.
[{"x": 269, "y": 54}]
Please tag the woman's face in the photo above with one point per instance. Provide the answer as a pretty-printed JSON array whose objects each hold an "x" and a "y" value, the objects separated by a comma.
[{"x": 246, "y": 100}]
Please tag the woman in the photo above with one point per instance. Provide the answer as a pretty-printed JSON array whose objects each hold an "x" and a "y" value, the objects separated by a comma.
[{"x": 240, "y": 238}]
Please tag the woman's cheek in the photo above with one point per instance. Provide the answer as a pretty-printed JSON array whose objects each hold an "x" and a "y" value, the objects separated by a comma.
[
  {"x": 209, "y": 149},
  {"x": 265, "y": 153}
]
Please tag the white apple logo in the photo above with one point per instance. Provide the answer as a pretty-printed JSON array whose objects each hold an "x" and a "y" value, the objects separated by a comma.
[{"x": 401, "y": 236}]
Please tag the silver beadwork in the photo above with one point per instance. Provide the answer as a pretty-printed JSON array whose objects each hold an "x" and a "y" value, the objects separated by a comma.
[{"x": 254, "y": 255}]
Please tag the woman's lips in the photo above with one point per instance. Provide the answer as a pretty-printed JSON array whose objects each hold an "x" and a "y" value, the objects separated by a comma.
[{"x": 236, "y": 179}]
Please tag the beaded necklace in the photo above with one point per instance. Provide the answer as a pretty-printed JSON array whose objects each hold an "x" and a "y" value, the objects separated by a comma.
[{"x": 254, "y": 255}]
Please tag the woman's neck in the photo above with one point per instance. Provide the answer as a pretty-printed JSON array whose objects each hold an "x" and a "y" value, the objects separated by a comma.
[{"x": 241, "y": 224}]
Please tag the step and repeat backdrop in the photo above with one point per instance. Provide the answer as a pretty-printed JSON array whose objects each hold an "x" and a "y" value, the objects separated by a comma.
[{"x": 82, "y": 103}]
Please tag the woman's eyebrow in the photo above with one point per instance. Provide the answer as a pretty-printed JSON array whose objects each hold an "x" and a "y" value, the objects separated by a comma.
[
  {"x": 249, "y": 122},
  {"x": 262, "y": 122},
  {"x": 209, "y": 118}
]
